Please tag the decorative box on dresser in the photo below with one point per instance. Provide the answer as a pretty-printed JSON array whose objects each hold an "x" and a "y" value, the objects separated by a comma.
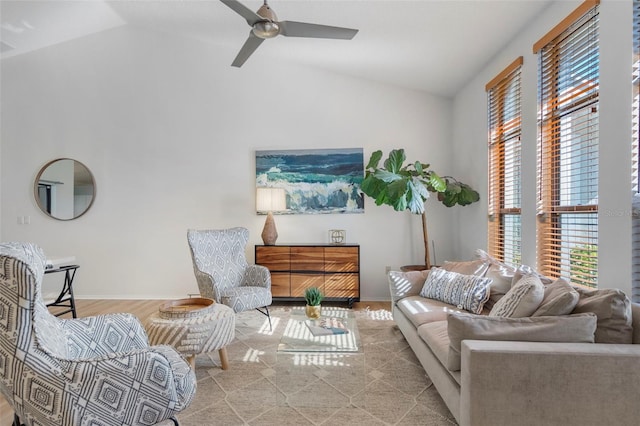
[{"x": 335, "y": 269}]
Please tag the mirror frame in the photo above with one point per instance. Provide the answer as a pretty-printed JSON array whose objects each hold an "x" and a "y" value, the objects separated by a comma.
[{"x": 37, "y": 180}]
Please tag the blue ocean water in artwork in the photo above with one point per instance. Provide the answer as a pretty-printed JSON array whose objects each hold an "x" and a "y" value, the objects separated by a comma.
[{"x": 315, "y": 181}]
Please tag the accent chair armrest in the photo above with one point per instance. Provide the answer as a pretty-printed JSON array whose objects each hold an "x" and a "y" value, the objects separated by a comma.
[
  {"x": 104, "y": 334},
  {"x": 257, "y": 276},
  {"x": 206, "y": 285},
  {"x": 535, "y": 383},
  {"x": 157, "y": 376}
]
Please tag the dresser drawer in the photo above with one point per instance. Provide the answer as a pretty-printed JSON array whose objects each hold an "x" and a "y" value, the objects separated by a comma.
[
  {"x": 274, "y": 258},
  {"x": 307, "y": 259},
  {"x": 341, "y": 259}
]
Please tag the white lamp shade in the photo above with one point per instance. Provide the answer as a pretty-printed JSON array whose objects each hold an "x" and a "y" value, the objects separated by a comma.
[{"x": 270, "y": 199}]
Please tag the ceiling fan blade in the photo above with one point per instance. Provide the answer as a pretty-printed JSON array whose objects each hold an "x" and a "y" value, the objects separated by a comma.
[
  {"x": 248, "y": 48},
  {"x": 302, "y": 29},
  {"x": 243, "y": 11}
]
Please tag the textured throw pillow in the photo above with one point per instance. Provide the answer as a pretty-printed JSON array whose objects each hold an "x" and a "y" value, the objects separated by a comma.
[
  {"x": 467, "y": 292},
  {"x": 568, "y": 328},
  {"x": 613, "y": 309},
  {"x": 521, "y": 300},
  {"x": 472, "y": 267},
  {"x": 559, "y": 299}
]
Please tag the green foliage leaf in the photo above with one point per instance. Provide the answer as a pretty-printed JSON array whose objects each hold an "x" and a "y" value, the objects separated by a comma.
[
  {"x": 436, "y": 182},
  {"x": 387, "y": 176},
  {"x": 418, "y": 187},
  {"x": 397, "y": 190},
  {"x": 417, "y": 198},
  {"x": 400, "y": 204},
  {"x": 374, "y": 160},
  {"x": 453, "y": 187},
  {"x": 395, "y": 160},
  {"x": 467, "y": 195}
]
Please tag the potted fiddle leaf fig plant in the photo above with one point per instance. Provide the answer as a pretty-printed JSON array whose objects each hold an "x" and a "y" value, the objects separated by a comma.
[
  {"x": 407, "y": 187},
  {"x": 313, "y": 296}
]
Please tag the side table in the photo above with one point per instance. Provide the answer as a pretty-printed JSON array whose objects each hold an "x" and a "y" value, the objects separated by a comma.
[
  {"x": 65, "y": 299},
  {"x": 195, "y": 331}
]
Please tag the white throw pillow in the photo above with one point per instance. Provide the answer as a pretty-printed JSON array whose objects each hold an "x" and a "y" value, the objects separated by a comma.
[
  {"x": 559, "y": 299},
  {"x": 467, "y": 292},
  {"x": 521, "y": 300},
  {"x": 525, "y": 270},
  {"x": 500, "y": 273}
]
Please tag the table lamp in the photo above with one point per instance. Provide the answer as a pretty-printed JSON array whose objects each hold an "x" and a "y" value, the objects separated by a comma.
[{"x": 269, "y": 200}]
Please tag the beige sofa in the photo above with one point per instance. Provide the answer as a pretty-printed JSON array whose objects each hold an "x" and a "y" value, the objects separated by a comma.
[{"x": 517, "y": 382}]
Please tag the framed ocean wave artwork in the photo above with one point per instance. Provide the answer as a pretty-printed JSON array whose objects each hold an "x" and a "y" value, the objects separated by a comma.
[{"x": 316, "y": 181}]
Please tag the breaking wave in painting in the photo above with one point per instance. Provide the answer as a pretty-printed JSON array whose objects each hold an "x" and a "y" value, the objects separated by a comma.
[{"x": 315, "y": 181}]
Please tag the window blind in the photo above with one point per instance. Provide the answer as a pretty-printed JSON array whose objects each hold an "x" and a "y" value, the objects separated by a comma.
[
  {"x": 504, "y": 122},
  {"x": 568, "y": 90},
  {"x": 635, "y": 147}
]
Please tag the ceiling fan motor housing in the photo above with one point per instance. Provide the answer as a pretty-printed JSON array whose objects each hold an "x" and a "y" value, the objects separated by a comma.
[{"x": 267, "y": 28}]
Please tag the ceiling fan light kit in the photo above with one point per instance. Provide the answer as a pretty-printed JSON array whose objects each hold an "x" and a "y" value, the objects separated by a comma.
[
  {"x": 264, "y": 24},
  {"x": 266, "y": 29}
]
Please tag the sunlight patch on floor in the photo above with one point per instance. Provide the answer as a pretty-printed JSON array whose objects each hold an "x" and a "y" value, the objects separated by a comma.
[
  {"x": 252, "y": 355},
  {"x": 265, "y": 329}
]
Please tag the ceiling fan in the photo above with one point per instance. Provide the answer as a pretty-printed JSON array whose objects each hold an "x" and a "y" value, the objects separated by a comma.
[{"x": 264, "y": 24}]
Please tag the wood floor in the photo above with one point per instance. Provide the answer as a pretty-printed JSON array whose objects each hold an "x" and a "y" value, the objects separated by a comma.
[{"x": 142, "y": 309}]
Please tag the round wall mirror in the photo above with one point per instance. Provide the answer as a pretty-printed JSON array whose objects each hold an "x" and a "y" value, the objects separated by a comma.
[{"x": 64, "y": 189}]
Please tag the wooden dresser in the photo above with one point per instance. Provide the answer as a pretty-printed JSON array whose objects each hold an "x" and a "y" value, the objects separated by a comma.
[{"x": 335, "y": 269}]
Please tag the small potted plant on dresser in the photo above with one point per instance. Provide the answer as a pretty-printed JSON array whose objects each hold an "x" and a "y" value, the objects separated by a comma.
[{"x": 313, "y": 296}]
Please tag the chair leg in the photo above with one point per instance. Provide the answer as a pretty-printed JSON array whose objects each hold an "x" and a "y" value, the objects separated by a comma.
[
  {"x": 16, "y": 420},
  {"x": 266, "y": 313},
  {"x": 174, "y": 420}
]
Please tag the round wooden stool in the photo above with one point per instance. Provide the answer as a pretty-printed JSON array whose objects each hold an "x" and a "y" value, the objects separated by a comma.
[{"x": 193, "y": 326}]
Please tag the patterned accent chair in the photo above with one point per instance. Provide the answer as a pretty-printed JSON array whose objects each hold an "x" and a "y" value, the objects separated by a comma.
[
  {"x": 223, "y": 273},
  {"x": 88, "y": 371}
]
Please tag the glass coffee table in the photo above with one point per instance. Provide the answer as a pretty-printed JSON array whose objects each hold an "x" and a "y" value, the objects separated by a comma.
[
  {"x": 326, "y": 371},
  {"x": 297, "y": 336}
]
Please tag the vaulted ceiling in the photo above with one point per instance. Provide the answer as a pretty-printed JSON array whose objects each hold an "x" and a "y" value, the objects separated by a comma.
[{"x": 429, "y": 45}]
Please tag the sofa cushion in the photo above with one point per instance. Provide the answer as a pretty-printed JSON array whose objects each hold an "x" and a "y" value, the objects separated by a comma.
[
  {"x": 613, "y": 310},
  {"x": 468, "y": 292},
  {"x": 420, "y": 310},
  {"x": 471, "y": 267},
  {"x": 436, "y": 336},
  {"x": 560, "y": 298},
  {"x": 579, "y": 328},
  {"x": 521, "y": 300}
]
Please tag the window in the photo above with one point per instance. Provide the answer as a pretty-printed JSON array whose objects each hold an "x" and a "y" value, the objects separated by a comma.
[
  {"x": 568, "y": 90},
  {"x": 635, "y": 154},
  {"x": 503, "y": 98}
]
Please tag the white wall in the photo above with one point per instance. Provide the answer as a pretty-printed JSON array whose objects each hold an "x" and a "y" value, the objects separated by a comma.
[
  {"x": 169, "y": 131},
  {"x": 470, "y": 141}
]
